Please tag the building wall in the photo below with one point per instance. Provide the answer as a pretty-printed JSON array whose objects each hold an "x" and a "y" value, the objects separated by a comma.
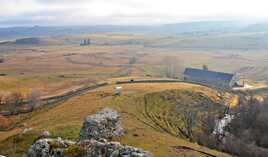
[{"x": 209, "y": 82}]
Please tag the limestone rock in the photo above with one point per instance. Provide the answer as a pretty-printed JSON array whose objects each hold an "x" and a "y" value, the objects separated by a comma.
[
  {"x": 104, "y": 124},
  {"x": 39, "y": 149},
  {"x": 24, "y": 131},
  {"x": 111, "y": 149},
  {"x": 94, "y": 136},
  {"x": 45, "y": 134},
  {"x": 49, "y": 147},
  {"x": 92, "y": 148}
]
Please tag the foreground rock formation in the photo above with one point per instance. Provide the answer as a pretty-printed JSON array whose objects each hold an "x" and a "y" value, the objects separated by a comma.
[
  {"x": 105, "y": 124},
  {"x": 94, "y": 135},
  {"x": 49, "y": 147}
]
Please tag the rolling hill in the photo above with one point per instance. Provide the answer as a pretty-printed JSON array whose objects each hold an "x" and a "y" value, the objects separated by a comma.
[{"x": 66, "y": 119}]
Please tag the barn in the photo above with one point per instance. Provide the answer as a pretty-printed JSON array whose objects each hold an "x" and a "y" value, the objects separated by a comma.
[{"x": 209, "y": 78}]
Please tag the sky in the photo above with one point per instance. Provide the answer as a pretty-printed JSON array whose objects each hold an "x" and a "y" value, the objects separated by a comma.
[{"x": 126, "y": 12}]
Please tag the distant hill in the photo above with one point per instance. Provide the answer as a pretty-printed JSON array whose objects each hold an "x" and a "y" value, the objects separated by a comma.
[
  {"x": 259, "y": 27},
  {"x": 34, "y": 41},
  {"x": 27, "y": 41},
  {"x": 189, "y": 35},
  {"x": 203, "y": 26},
  {"x": 15, "y": 32},
  {"x": 177, "y": 28}
]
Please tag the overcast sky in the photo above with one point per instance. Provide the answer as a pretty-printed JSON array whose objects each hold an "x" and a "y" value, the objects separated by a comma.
[{"x": 92, "y": 12}]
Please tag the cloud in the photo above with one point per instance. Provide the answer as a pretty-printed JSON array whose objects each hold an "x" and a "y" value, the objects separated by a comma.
[
  {"x": 66, "y": 12},
  {"x": 18, "y": 7}
]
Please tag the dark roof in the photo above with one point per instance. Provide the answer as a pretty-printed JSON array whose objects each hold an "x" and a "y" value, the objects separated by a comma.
[{"x": 208, "y": 74}]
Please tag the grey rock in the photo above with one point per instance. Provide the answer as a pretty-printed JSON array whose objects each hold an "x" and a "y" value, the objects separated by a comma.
[
  {"x": 45, "y": 134},
  {"x": 94, "y": 135},
  {"x": 115, "y": 153},
  {"x": 39, "y": 149},
  {"x": 43, "y": 147},
  {"x": 111, "y": 149},
  {"x": 26, "y": 130},
  {"x": 104, "y": 124},
  {"x": 57, "y": 152}
]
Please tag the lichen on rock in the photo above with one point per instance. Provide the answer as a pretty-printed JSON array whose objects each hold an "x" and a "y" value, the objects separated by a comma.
[
  {"x": 94, "y": 135},
  {"x": 49, "y": 147},
  {"x": 104, "y": 124},
  {"x": 104, "y": 148}
]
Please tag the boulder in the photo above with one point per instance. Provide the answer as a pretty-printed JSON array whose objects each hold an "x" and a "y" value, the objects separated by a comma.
[
  {"x": 104, "y": 124},
  {"x": 49, "y": 147},
  {"x": 39, "y": 149},
  {"x": 45, "y": 134}
]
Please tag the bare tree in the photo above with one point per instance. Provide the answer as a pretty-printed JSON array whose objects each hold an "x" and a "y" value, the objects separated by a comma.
[
  {"x": 1, "y": 99},
  {"x": 205, "y": 67},
  {"x": 189, "y": 118},
  {"x": 208, "y": 123},
  {"x": 2, "y": 59},
  {"x": 13, "y": 101},
  {"x": 171, "y": 66},
  {"x": 132, "y": 60},
  {"x": 33, "y": 98}
]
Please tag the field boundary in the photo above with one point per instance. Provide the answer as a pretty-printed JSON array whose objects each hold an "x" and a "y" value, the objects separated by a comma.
[{"x": 59, "y": 98}]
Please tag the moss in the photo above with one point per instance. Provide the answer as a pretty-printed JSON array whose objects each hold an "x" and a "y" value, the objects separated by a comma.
[
  {"x": 74, "y": 151},
  {"x": 70, "y": 133}
]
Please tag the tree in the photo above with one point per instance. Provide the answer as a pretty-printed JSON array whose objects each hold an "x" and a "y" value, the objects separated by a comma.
[
  {"x": 132, "y": 60},
  {"x": 208, "y": 123},
  {"x": 171, "y": 66},
  {"x": 205, "y": 67},
  {"x": 13, "y": 101},
  {"x": 2, "y": 60},
  {"x": 1, "y": 99},
  {"x": 33, "y": 98},
  {"x": 189, "y": 118}
]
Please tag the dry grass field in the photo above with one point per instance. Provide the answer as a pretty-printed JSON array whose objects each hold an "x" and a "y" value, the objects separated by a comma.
[
  {"x": 66, "y": 119},
  {"x": 60, "y": 64}
]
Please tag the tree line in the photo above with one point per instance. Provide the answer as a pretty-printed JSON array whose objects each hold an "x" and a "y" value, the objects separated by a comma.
[
  {"x": 13, "y": 101},
  {"x": 245, "y": 136}
]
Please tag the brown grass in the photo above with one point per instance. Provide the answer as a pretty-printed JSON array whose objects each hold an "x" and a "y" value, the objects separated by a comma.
[{"x": 71, "y": 114}]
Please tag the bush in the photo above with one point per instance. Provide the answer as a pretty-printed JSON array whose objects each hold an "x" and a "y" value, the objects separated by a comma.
[
  {"x": 13, "y": 101},
  {"x": 132, "y": 60},
  {"x": 2, "y": 60}
]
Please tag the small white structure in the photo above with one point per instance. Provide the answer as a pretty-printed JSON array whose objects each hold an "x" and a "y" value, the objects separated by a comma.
[{"x": 117, "y": 90}]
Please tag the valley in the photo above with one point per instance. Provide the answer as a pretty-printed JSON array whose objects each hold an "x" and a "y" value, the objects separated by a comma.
[{"x": 153, "y": 113}]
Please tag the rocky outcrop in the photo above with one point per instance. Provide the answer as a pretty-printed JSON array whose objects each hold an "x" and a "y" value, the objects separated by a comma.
[
  {"x": 94, "y": 135},
  {"x": 87, "y": 148},
  {"x": 105, "y": 124},
  {"x": 111, "y": 149},
  {"x": 49, "y": 148}
]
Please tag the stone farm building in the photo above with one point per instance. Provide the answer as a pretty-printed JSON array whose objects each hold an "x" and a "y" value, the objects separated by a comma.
[{"x": 213, "y": 79}]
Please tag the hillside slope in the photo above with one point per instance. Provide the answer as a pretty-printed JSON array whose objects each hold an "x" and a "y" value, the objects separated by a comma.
[{"x": 66, "y": 119}]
